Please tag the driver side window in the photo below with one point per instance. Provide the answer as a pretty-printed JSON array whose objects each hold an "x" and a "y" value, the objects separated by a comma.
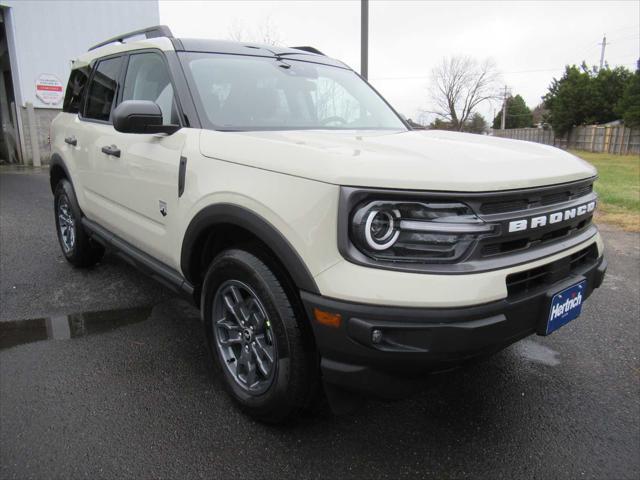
[{"x": 147, "y": 78}]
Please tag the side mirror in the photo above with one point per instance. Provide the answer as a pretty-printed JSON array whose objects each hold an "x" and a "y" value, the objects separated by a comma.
[{"x": 140, "y": 116}]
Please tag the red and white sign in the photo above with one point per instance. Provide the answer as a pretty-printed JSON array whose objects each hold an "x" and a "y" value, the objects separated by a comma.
[{"x": 49, "y": 89}]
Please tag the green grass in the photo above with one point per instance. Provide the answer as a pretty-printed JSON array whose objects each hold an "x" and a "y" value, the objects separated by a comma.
[{"x": 618, "y": 187}]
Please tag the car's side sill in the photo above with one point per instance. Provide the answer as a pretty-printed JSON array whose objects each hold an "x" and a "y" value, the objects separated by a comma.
[{"x": 139, "y": 259}]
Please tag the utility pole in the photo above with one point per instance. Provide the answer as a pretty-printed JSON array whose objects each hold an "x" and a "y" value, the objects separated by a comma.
[
  {"x": 604, "y": 45},
  {"x": 503, "y": 123},
  {"x": 364, "y": 38}
]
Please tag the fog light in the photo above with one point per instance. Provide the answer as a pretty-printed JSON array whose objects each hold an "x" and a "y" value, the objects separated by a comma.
[{"x": 376, "y": 336}]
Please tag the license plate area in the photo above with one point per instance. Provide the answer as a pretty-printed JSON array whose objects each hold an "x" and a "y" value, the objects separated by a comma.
[{"x": 565, "y": 306}]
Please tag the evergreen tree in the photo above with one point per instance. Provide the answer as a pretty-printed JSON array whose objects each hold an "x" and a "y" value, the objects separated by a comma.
[
  {"x": 629, "y": 105},
  {"x": 585, "y": 96},
  {"x": 518, "y": 114}
]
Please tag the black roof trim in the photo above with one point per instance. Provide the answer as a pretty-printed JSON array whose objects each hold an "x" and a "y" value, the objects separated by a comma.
[
  {"x": 149, "y": 32},
  {"x": 254, "y": 49},
  {"x": 309, "y": 49}
]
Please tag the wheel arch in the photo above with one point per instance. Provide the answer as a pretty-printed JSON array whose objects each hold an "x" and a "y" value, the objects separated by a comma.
[
  {"x": 220, "y": 219},
  {"x": 57, "y": 171}
]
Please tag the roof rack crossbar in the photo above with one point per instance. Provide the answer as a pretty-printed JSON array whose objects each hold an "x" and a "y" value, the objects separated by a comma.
[
  {"x": 150, "y": 32},
  {"x": 310, "y": 50}
]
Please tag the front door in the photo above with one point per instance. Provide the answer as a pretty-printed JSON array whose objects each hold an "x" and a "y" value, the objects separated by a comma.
[{"x": 134, "y": 184}]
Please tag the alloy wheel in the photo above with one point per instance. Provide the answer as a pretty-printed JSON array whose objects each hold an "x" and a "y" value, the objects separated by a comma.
[
  {"x": 244, "y": 337},
  {"x": 66, "y": 225}
]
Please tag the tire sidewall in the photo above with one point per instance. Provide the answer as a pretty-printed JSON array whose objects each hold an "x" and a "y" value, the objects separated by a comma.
[
  {"x": 64, "y": 190},
  {"x": 228, "y": 266},
  {"x": 84, "y": 253}
]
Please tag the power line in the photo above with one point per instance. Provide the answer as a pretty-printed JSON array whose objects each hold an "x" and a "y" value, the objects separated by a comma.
[
  {"x": 421, "y": 77},
  {"x": 539, "y": 70},
  {"x": 518, "y": 114},
  {"x": 634, "y": 35},
  {"x": 637, "y": 27}
]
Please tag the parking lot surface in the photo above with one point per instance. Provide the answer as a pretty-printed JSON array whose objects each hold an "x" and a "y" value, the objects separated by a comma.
[{"x": 104, "y": 374}]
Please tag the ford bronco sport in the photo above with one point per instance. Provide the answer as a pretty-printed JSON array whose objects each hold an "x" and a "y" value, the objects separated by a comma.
[{"x": 325, "y": 242}]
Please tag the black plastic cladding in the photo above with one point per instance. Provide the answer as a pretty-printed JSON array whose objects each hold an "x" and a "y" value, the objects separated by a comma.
[{"x": 530, "y": 202}]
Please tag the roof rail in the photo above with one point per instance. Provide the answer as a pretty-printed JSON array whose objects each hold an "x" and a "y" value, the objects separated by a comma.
[
  {"x": 310, "y": 50},
  {"x": 150, "y": 32}
]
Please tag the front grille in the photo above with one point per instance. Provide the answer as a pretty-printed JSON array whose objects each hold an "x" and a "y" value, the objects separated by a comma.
[
  {"x": 509, "y": 206},
  {"x": 536, "y": 198},
  {"x": 534, "y": 239},
  {"x": 502, "y": 207},
  {"x": 545, "y": 275}
]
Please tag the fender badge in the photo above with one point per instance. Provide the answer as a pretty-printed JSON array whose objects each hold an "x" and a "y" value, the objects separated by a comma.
[{"x": 163, "y": 207}]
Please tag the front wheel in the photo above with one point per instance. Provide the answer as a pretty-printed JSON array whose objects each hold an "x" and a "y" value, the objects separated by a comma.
[
  {"x": 76, "y": 245},
  {"x": 266, "y": 361}
]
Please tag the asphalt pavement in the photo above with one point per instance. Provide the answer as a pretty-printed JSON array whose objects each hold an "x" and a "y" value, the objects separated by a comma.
[{"x": 104, "y": 374}]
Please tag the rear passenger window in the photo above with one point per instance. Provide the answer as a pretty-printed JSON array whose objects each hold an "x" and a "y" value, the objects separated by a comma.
[
  {"x": 102, "y": 89},
  {"x": 75, "y": 88},
  {"x": 147, "y": 78}
]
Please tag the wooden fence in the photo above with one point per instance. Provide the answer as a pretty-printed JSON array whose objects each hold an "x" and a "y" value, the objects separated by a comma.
[{"x": 616, "y": 139}]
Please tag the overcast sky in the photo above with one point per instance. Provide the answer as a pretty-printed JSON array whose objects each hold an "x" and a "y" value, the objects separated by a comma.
[{"x": 530, "y": 42}]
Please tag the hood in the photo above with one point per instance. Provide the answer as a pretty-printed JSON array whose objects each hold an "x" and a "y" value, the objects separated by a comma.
[{"x": 420, "y": 160}]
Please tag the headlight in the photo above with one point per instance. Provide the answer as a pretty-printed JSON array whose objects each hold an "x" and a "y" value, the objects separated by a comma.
[
  {"x": 381, "y": 228},
  {"x": 416, "y": 231}
]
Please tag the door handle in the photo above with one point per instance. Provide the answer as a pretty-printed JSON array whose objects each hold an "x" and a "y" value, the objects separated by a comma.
[
  {"x": 71, "y": 140},
  {"x": 111, "y": 150}
]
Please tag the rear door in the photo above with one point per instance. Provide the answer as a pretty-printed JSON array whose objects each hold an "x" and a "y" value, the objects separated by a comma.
[
  {"x": 97, "y": 131},
  {"x": 135, "y": 185},
  {"x": 67, "y": 135}
]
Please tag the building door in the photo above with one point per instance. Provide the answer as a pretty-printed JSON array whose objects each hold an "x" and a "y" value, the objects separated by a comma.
[{"x": 8, "y": 123}]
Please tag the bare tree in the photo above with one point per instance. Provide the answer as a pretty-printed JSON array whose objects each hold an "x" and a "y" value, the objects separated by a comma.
[
  {"x": 266, "y": 33},
  {"x": 459, "y": 85},
  {"x": 237, "y": 31},
  {"x": 269, "y": 34}
]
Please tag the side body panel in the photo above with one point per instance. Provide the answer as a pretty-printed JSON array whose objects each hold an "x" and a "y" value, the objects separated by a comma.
[
  {"x": 303, "y": 211},
  {"x": 74, "y": 157},
  {"x": 128, "y": 194}
]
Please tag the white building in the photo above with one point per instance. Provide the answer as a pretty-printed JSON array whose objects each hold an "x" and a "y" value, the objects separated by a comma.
[{"x": 37, "y": 42}]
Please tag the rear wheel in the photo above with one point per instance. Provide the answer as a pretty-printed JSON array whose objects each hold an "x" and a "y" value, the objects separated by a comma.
[
  {"x": 76, "y": 245},
  {"x": 266, "y": 361}
]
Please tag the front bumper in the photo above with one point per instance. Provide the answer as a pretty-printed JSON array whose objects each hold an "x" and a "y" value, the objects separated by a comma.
[{"x": 419, "y": 340}]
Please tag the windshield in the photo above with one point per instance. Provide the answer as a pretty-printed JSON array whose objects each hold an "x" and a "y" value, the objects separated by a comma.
[{"x": 257, "y": 93}]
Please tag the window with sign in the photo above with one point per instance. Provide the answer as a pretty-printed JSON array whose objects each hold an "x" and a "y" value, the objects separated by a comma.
[{"x": 75, "y": 89}]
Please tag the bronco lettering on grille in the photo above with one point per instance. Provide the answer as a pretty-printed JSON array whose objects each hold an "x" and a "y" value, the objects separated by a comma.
[{"x": 551, "y": 218}]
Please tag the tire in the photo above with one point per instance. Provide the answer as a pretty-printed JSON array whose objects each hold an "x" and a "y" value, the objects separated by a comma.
[
  {"x": 282, "y": 391},
  {"x": 76, "y": 245}
]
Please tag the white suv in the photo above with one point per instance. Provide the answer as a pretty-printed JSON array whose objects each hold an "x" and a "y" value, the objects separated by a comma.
[{"x": 325, "y": 242}]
